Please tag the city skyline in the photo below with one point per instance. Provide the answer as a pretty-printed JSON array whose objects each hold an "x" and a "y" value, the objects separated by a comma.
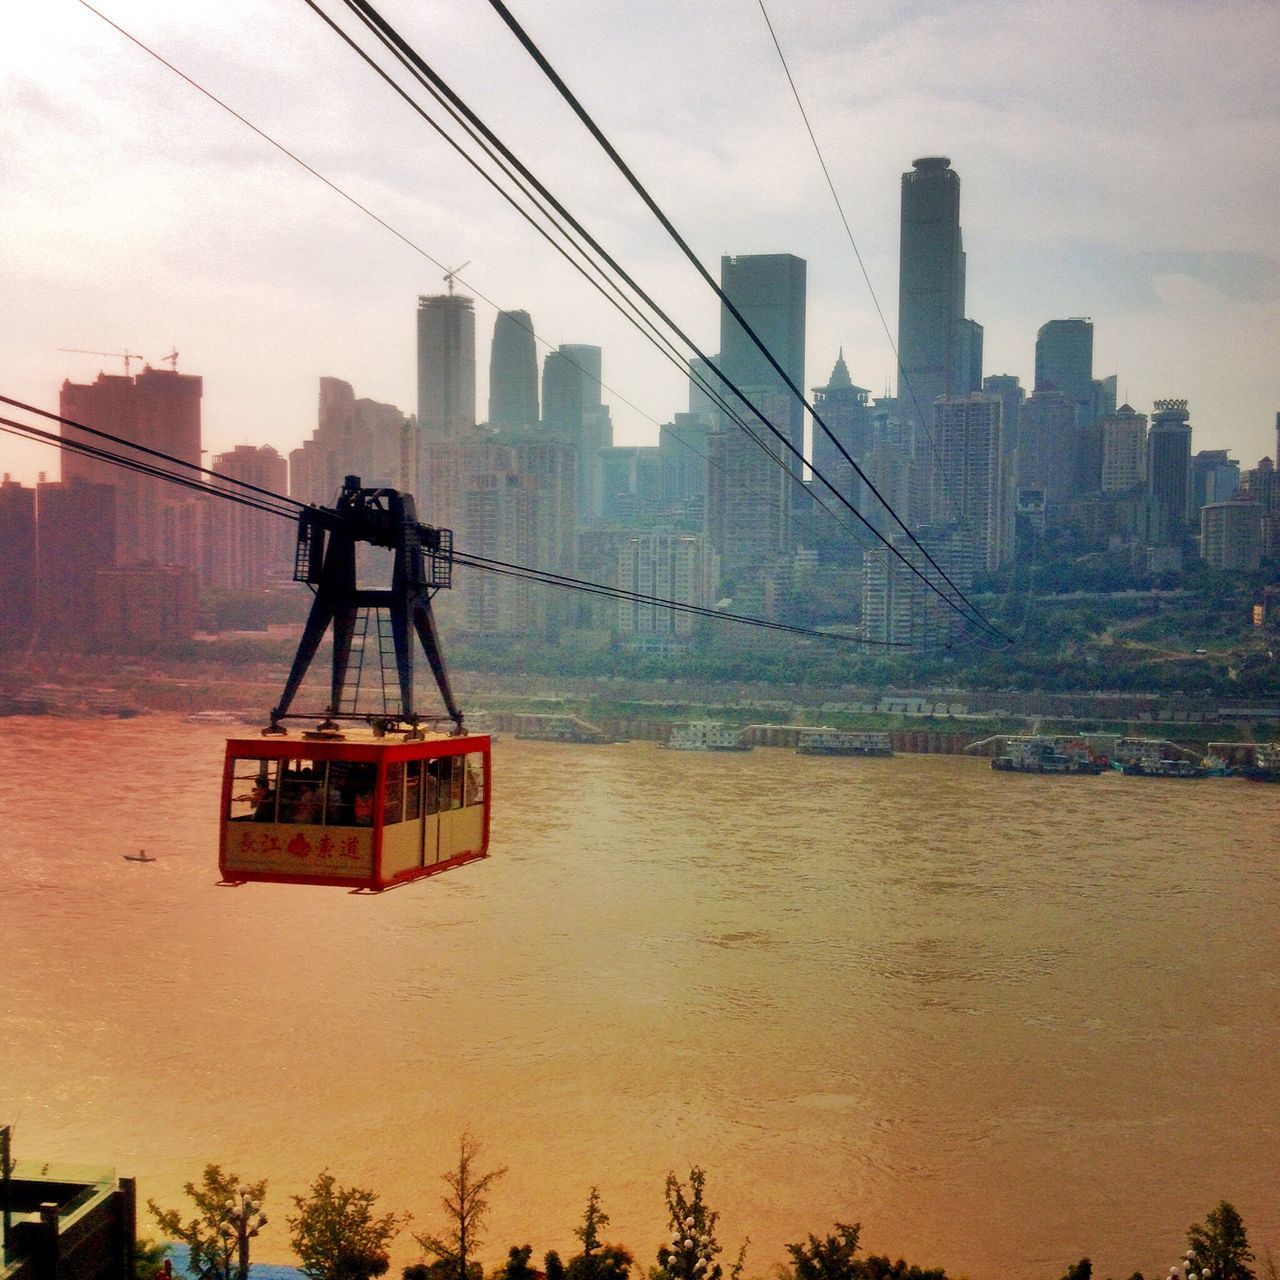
[{"x": 139, "y": 215}]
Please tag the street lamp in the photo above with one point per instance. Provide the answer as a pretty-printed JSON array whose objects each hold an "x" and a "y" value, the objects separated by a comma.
[
  {"x": 1186, "y": 1269},
  {"x": 242, "y": 1219}
]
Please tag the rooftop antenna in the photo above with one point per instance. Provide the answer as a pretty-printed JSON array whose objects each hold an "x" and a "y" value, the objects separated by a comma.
[
  {"x": 127, "y": 356},
  {"x": 449, "y": 275}
]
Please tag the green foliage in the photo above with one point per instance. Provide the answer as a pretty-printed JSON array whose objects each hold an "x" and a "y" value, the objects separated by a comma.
[
  {"x": 691, "y": 1255},
  {"x": 553, "y": 1266},
  {"x": 517, "y": 1265},
  {"x": 336, "y": 1234},
  {"x": 608, "y": 1262},
  {"x": 831, "y": 1258},
  {"x": 466, "y": 1206},
  {"x": 441, "y": 1269},
  {"x": 1222, "y": 1244},
  {"x": 148, "y": 1258},
  {"x": 209, "y": 1236},
  {"x": 593, "y": 1218},
  {"x": 1083, "y": 1270}
]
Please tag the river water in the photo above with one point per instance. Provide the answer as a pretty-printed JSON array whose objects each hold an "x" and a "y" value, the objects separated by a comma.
[{"x": 1003, "y": 1021}]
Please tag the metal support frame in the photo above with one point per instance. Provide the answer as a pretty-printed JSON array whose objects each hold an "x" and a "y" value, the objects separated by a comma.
[{"x": 326, "y": 559}]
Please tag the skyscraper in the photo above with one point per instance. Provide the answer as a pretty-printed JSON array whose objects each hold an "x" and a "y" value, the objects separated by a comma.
[
  {"x": 1124, "y": 450},
  {"x": 768, "y": 289},
  {"x": 1064, "y": 359},
  {"x": 940, "y": 353},
  {"x": 247, "y": 546},
  {"x": 446, "y": 366},
  {"x": 572, "y": 410},
  {"x": 513, "y": 372},
  {"x": 1169, "y": 467}
]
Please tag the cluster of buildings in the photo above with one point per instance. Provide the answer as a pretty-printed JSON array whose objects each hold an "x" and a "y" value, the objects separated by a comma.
[{"x": 980, "y": 468}]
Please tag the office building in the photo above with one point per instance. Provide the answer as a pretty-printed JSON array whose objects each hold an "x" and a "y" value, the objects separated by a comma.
[
  {"x": 768, "y": 290},
  {"x": 1169, "y": 467},
  {"x": 1124, "y": 450},
  {"x": 1008, "y": 389},
  {"x": 1064, "y": 360},
  {"x": 446, "y": 366},
  {"x": 939, "y": 353},
  {"x": 158, "y": 409},
  {"x": 513, "y": 373},
  {"x": 1049, "y": 449},
  {"x": 572, "y": 411},
  {"x": 846, "y": 410},
  {"x": 1231, "y": 535},
  {"x": 1215, "y": 477}
]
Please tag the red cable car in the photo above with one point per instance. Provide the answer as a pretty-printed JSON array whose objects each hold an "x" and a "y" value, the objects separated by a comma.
[
  {"x": 361, "y": 812},
  {"x": 373, "y": 806}
]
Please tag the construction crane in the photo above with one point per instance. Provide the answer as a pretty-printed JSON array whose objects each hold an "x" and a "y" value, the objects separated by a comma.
[
  {"x": 449, "y": 275},
  {"x": 125, "y": 355},
  {"x": 171, "y": 360}
]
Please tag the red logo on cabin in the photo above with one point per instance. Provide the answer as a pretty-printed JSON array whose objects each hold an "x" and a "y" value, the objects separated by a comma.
[{"x": 299, "y": 846}]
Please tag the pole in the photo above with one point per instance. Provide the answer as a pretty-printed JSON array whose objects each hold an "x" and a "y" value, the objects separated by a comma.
[{"x": 6, "y": 1189}]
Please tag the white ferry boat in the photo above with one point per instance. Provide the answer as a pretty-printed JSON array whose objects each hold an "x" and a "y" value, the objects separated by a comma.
[
  {"x": 840, "y": 742},
  {"x": 706, "y": 735},
  {"x": 1045, "y": 754}
]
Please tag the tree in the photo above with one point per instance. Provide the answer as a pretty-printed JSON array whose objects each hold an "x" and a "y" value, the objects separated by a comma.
[
  {"x": 593, "y": 1218},
  {"x": 553, "y": 1265},
  {"x": 1222, "y": 1244},
  {"x": 831, "y": 1258},
  {"x": 1083, "y": 1270},
  {"x": 218, "y": 1237},
  {"x": 336, "y": 1234},
  {"x": 691, "y": 1255},
  {"x": 465, "y": 1207},
  {"x": 148, "y": 1258},
  {"x": 517, "y": 1265}
]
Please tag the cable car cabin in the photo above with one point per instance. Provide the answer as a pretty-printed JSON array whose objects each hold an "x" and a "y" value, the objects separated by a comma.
[{"x": 363, "y": 812}]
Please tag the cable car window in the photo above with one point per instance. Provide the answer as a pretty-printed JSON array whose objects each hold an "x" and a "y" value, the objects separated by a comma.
[
  {"x": 393, "y": 805},
  {"x": 302, "y": 791},
  {"x": 351, "y": 786},
  {"x": 254, "y": 785},
  {"x": 432, "y": 770},
  {"x": 455, "y": 782},
  {"x": 473, "y": 787},
  {"x": 413, "y": 791}
]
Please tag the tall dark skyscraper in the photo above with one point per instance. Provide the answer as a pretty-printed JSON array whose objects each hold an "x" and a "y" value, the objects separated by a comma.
[
  {"x": 769, "y": 291},
  {"x": 513, "y": 372},
  {"x": 1169, "y": 467},
  {"x": 446, "y": 366},
  {"x": 1064, "y": 359},
  {"x": 939, "y": 350}
]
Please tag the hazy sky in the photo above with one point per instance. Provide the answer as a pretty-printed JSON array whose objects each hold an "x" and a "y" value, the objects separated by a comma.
[{"x": 1118, "y": 160}]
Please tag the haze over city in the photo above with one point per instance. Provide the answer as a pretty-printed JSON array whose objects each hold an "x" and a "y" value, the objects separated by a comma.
[{"x": 1117, "y": 163}]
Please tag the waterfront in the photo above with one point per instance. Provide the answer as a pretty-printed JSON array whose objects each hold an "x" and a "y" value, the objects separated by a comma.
[{"x": 1003, "y": 1021}]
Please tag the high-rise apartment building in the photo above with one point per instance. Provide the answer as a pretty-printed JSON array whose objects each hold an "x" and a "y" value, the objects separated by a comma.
[
  {"x": 1049, "y": 449},
  {"x": 846, "y": 410},
  {"x": 897, "y": 607},
  {"x": 246, "y": 547},
  {"x": 939, "y": 352},
  {"x": 75, "y": 537},
  {"x": 1169, "y": 467},
  {"x": 17, "y": 562},
  {"x": 354, "y": 436},
  {"x": 158, "y": 409},
  {"x": 1215, "y": 477},
  {"x": 768, "y": 290},
  {"x": 513, "y": 373},
  {"x": 669, "y": 566},
  {"x": 1008, "y": 389},
  {"x": 446, "y": 366},
  {"x": 969, "y": 457},
  {"x": 1124, "y": 450},
  {"x": 749, "y": 495}
]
